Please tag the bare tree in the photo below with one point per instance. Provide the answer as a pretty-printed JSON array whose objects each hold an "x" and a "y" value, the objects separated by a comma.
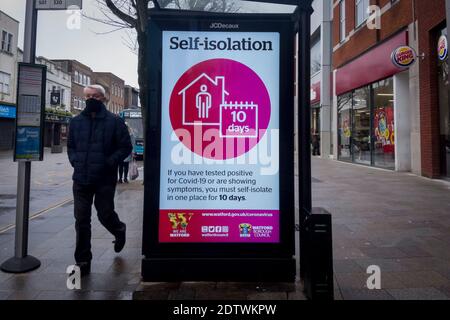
[{"x": 133, "y": 16}]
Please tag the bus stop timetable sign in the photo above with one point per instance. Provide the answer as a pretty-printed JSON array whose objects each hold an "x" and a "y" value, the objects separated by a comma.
[{"x": 58, "y": 4}]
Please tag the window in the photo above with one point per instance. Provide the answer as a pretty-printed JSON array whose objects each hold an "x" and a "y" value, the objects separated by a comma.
[
  {"x": 76, "y": 77},
  {"x": 9, "y": 46},
  {"x": 4, "y": 36},
  {"x": 7, "y": 39},
  {"x": 361, "y": 11},
  {"x": 366, "y": 127},
  {"x": 342, "y": 20},
  {"x": 361, "y": 116},
  {"x": 316, "y": 56},
  {"x": 5, "y": 81},
  {"x": 344, "y": 127},
  {"x": 383, "y": 124}
]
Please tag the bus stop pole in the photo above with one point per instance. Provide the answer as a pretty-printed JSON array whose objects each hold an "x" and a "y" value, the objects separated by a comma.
[{"x": 22, "y": 262}]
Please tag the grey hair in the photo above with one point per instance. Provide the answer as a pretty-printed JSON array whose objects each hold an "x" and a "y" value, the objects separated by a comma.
[{"x": 97, "y": 87}]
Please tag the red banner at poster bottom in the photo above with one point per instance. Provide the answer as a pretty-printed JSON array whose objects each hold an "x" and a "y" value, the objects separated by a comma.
[{"x": 251, "y": 226}]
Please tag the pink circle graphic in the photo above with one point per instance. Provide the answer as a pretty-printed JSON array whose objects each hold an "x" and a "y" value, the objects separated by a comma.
[{"x": 220, "y": 109}]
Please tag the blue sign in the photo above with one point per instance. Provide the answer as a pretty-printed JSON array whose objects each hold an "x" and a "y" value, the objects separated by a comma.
[
  {"x": 28, "y": 143},
  {"x": 7, "y": 111}
]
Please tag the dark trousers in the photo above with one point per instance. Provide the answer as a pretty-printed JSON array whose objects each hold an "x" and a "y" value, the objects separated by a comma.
[
  {"x": 123, "y": 170},
  {"x": 316, "y": 151},
  {"x": 103, "y": 197}
]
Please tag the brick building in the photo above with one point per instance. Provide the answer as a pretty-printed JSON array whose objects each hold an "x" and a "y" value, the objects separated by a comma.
[
  {"x": 115, "y": 90},
  {"x": 434, "y": 102},
  {"x": 82, "y": 76},
  {"x": 376, "y": 105},
  {"x": 385, "y": 116},
  {"x": 131, "y": 97}
]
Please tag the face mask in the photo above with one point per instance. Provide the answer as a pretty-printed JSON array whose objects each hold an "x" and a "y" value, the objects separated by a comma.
[{"x": 93, "y": 105}]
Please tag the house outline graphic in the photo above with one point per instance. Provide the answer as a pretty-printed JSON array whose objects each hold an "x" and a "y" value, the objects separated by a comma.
[{"x": 214, "y": 82}]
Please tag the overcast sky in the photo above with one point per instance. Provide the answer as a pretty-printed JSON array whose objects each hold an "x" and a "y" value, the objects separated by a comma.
[{"x": 101, "y": 52}]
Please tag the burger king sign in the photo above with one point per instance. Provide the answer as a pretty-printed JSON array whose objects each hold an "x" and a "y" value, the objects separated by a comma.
[
  {"x": 443, "y": 48},
  {"x": 404, "y": 57}
]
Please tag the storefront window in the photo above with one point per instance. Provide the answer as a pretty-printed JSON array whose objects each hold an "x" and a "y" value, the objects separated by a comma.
[
  {"x": 366, "y": 128},
  {"x": 444, "y": 114},
  {"x": 383, "y": 124},
  {"x": 316, "y": 63},
  {"x": 361, "y": 144},
  {"x": 344, "y": 127}
]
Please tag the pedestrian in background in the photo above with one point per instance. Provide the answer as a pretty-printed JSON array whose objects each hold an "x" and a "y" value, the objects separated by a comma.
[
  {"x": 125, "y": 164},
  {"x": 316, "y": 144},
  {"x": 98, "y": 141}
]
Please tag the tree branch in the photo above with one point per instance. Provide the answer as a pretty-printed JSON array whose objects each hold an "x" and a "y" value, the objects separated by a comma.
[{"x": 120, "y": 14}]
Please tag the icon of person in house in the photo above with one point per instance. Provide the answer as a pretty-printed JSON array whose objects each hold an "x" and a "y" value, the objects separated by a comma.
[{"x": 203, "y": 102}]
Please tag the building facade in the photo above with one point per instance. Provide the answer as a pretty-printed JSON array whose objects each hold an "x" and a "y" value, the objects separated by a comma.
[
  {"x": 376, "y": 105},
  {"x": 57, "y": 103},
  {"x": 321, "y": 79},
  {"x": 131, "y": 97},
  {"x": 9, "y": 30},
  {"x": 81, "y": 76},
  {"x": 115, "y": 90},
  {"x": 434, "y": 87}
]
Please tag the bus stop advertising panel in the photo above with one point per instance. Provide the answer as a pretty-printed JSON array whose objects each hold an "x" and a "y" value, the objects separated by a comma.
[{"x": 219, "y": 191}]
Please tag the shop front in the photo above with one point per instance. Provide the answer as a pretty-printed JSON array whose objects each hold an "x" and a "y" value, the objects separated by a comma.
[
  {"x": 444, "y": 109},
  {"x": 368, "y": 104},
  {"x": 7, "y": 125},
  {"x": 56, "y": 128},
  {"x": 366, "y": 125}
]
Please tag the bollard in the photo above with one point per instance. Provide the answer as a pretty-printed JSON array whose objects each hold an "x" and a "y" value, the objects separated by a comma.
[{"x": 318, "y": 255}]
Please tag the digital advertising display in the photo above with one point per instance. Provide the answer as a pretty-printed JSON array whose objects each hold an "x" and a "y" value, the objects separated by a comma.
[
  {"x": 219, "y": 148},
  {"x": 220, "y": 137}
]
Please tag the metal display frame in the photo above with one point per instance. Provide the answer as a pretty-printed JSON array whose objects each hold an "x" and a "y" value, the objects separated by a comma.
[{"x": 220, "y": 261}]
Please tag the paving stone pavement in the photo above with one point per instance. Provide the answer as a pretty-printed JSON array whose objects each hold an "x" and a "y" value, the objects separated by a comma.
[
  {"x": 50, "y": 184},
  {"x": 397, "y": 221}
]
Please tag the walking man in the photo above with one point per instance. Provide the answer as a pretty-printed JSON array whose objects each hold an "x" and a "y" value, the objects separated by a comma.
[{"x": 98, "y": 141}]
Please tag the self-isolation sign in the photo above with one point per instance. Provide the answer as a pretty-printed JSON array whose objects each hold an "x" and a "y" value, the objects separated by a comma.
[{"x": 220, "y": 137}]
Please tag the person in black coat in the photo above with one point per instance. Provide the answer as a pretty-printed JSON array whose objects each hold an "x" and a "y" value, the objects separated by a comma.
[{"x": 98, "y": 141}]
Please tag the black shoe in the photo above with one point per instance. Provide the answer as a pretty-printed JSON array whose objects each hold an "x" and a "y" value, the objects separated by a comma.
[
  {"x": 119, "y": 243},
  {"x": 126, "y": 180},
  {"x": 120, "y": 181},
  {"x": 85, "y": 268}
]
